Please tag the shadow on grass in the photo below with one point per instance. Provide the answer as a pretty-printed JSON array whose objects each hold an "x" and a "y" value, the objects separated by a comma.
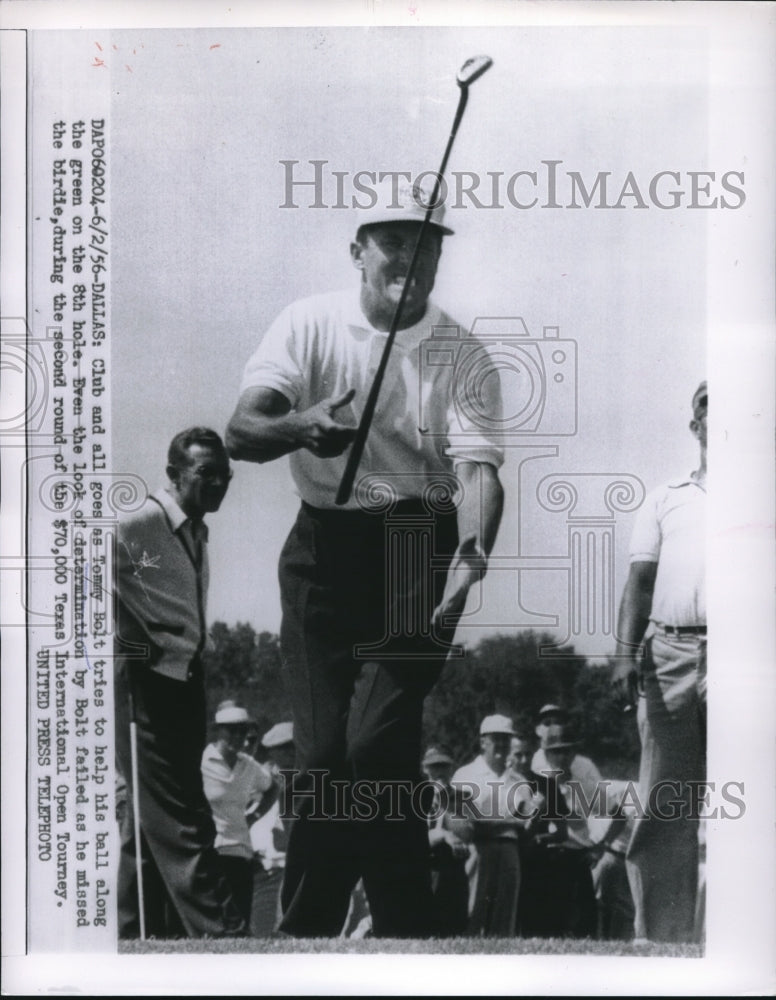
[{"x": 396, "y": 946}]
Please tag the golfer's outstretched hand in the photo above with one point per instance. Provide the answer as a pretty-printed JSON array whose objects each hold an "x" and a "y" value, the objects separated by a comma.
[
  {"x": 320, "y": 433},
  {"x": 467, "y": 568}
]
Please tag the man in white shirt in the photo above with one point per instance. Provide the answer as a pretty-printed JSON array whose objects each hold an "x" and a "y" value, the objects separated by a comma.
[
  {"x": 240, "y": 790},
  {"x": 664, "y": 600},
  {"x": 499, "y": 803},
  {"x": 369, "y": 606}
]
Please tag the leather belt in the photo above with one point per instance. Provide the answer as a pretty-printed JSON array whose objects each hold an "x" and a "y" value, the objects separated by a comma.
[{"x": 682, "y": 629}]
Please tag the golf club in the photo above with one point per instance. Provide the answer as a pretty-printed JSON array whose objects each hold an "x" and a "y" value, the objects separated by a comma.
[
  {"x": 136, "y": 812},
  {"x": 471, "y": 70}
]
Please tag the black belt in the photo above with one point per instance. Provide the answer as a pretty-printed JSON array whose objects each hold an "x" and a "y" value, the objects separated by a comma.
[
  {"x": 408, "y": 506},
  {"x": 682, "y": 629}
]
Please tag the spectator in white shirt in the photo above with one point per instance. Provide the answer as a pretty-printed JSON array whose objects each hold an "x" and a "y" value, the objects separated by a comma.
[{"x": 239, "y": 790}]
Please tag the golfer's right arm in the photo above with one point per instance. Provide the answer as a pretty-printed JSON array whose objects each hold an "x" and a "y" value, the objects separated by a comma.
[{"x": 264, "y": 427}]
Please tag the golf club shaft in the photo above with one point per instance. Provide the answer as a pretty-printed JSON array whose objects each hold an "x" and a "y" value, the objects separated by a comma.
[
  {"x": 136, "y": 813},
  {"x": 357, "y": 448}
]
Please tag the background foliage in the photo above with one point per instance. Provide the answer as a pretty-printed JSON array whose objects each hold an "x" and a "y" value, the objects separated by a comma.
[{"x": 513, "y": 674}]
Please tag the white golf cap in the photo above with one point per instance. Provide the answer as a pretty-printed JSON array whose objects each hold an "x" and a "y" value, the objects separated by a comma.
[
  {"x": 400, "y": 201},
  {"x": 497, "y": 724},
  {"x": 280, "y": 734},
  {"x": 232, "y": 715}
]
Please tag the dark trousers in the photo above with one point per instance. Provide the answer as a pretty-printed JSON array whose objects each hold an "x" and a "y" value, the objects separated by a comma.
[
  {"x": 238, "y": 872},
  {"x": 557, "y": 898},
  {"x": 185, "y": 893},
  {"x": 496, "y": 888},
  {"x": 450, "y": 889},
  {"x": 350, "y": 580}
]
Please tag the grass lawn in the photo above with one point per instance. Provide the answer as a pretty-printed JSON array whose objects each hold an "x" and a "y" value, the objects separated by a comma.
[{"x": 395, "y": 946}]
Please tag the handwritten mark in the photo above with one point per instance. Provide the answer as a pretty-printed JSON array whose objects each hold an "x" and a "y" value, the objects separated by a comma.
[
  {"x": 216, "y": 46},
  {"x": 98, "y": 63},
  {"x": 98, "y": 46},
  {"x": 146, "y": 562}
]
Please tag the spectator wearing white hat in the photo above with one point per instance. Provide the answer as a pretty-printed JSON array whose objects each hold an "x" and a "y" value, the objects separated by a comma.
[
  {"x": 499, "y": 806},
  {"x": 581, "y": 768},
  {"x": 239, "y": 790}
]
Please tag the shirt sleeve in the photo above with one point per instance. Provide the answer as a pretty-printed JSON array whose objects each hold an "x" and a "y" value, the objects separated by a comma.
[
  {"x": 585, "y": 771},
  {"x": 210, "y": 783},
  {"x": 462, "y": 782},
  {"x": 646, "y": 537},
  {"x": 279, "y": 362},
  {"x": 475, "y": 414},
  {"x": 262, "y": 780}
]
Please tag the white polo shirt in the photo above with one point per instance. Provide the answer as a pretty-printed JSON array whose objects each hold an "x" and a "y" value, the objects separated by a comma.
[
  {"x": 230, "y": 791},
  {"x": 495, "y": 796},
  {"x": 581, "y": 769},
  {"x": 440, "y": 401},
  {"x": 670, "y": 530}
]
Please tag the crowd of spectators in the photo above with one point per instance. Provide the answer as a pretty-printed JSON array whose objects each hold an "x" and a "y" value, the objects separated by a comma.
[{"x": 527, "y": 839}]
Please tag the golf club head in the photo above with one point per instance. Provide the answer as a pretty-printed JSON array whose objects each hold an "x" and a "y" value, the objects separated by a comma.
[{"x": 473, "y": 69}]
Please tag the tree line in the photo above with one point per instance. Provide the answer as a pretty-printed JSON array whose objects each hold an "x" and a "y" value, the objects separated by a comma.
[{"x": 512, "y": 674}]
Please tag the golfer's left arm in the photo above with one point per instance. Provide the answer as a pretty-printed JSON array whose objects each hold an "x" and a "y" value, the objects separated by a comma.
[{"x": 479, "y": 517}]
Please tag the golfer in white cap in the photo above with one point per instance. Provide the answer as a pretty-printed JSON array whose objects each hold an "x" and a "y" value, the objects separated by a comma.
[{"x": 365, "y": 632}]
